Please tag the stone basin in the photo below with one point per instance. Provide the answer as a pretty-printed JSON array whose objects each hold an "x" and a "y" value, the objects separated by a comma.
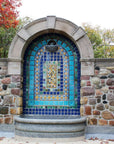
[{"x": 50, "y": 126}]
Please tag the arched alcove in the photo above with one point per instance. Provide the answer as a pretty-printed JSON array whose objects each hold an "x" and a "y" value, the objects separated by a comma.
[
  {"x": 51, "y": 78},
  {"x": 48, "y": 25},
  {"x": 51, "y": 54}
]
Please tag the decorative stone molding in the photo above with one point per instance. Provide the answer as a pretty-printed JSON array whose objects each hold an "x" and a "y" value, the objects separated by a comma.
[{"x": 47, "y": 25}]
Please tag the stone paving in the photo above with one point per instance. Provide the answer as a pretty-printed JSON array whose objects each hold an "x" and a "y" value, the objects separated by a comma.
[{"x": 4, "y": 140}]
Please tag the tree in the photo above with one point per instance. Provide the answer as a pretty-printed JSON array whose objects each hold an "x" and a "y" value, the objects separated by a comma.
[
  {"x": 7, "y": 35},
  {"x": 9, "y": 13},
  {"x": 101, "y": 40}
]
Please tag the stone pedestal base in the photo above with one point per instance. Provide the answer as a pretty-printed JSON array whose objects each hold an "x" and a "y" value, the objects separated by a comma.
[{"x": 50, "y": 128}]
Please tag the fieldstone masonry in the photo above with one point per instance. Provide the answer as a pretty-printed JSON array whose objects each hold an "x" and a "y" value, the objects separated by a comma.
[
  {"x": 10, "y": 95},
  {"x": 97, "y": 75},
  {"x": 97, "y": 101}
]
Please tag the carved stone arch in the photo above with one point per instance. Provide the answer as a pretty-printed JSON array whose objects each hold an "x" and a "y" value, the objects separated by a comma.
[{"x": 47, "y": 25}]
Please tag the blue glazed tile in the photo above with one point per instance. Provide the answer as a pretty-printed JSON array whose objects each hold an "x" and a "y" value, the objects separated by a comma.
[
  {"x": 44, "y": 57},
  {"x": 33, "y": 53},
  {"x": 31, "y": 63}
]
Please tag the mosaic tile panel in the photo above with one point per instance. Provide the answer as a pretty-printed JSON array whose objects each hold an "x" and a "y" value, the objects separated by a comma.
[{"x": 52, "y": 80}]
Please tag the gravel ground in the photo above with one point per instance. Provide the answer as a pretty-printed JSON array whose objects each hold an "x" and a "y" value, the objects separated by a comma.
[{"x": 4, "y": 140}]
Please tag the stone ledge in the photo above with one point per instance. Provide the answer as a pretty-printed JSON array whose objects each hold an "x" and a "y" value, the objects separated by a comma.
[
  {"x": 50, "y": 121},
  {"x": 99, "y": 130}
]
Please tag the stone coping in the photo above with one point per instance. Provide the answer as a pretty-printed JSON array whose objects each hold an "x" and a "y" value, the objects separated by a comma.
[{"x": 50, "y": 121}]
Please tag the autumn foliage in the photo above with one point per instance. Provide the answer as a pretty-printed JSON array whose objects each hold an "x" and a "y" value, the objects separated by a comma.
[{"x": 9, "y": 13}]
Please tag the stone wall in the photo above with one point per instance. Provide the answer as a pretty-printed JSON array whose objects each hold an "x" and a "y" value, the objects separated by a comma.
[
  {"x": 97, "y": 94},
  {"x": 10, "y": 94}
]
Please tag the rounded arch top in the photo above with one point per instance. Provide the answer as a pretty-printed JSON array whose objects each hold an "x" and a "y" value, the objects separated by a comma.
[{"x": 50, "y": 24}]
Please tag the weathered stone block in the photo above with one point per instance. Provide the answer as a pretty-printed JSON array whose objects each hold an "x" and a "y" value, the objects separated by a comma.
[
  {"x": 83, "y": 100},
  {"x": 88, "y": 110},
  {"x": 1, "y": 120},
  {"x": 92, "y": 101},
  {"x": 19, "y": 110},
  {"x": 100, "y": 107},
  {"x": 110, "y": 68},
  {"x": 13, "y": 111},
  {"x": 15, "y": 91},
  {"x": 81, "y": 110},
  {"x": 104, "y": 72},
  {"x": 103, "y": 77},
  {"x": 105, "y": 89},
  {"x": 104, "y": 97},
  {"x": 85, "y": 77},
  {"x": 111, "y": 76},
  {"x": 83, "y": 83},
  {"x": 102, "y": 81},
  {"x": 96, "y": 72},
  {"x": 112, "y": 71},
  {"x": 111, "y": 108},
  {"x": 4, "y": 93},
  {"x": 98, "y": 100},
  {"x": 111, "y": 123},
  {"x": 98, "y": 92},
  {"x": 107, "y": 115},
  {"x": 87, "y": 91},
  {"x": 8, "y": 120},
  {"x": 110, "y": 82},
  {"x": 12, "y": 85},
  {"x": 16, "y": 78},
  {"x": 96, "y": 80},
  {"x": 88, "y": 83},
  {"x": 8, "y": 100},
  {"x": 92, "y": 121},
  {"x": 19, "y": 101},
  {"x": 111, "y": 87},
  {"x": 110, "y": 97},
  {"x": 6, "y": 80},
  {"x": 3, "y": 110},
  {"x": 0, "y": 88},
  {"x": 96, "y": 112},
  {"x": 111, "y": 103},
  {"x": 103, "y": 122}
]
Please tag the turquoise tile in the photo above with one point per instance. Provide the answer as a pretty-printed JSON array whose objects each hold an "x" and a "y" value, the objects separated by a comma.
[
  {"x": 64, "y": 45},
  {"x": 71, "y": 97},
  {"x": 44, "y": 43},
  {"x": 31, "y": 72},
  {"x": 71, "y": 92},
  {"x": 32, "y": 58},
  {"x": 71, "y": 72},
  {"x": 71, "y": 63},
  {"x": 36, "y": 49},
  {"x": 36, "y": 102},
  {"x": 39, "y": 45},
  {"x": 33, "y": 53},
  {"x": 71, "y": 103},
  {"x": 31, "y": 68},
  {"x": 70, "y": 53},
  {"x": 59, "y": 42},
  {"x": 31, "y": 63},
  {"x": 66, "y": 103},
  {"x": 31, "y": 97},
  {"x": 67, "y": 49},
  {"x": 71, "y": 58},
  {"x": 31, "y": 103}
]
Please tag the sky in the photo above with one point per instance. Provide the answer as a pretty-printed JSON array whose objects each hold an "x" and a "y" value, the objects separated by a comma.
[{"x": 95, "y": 12}]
